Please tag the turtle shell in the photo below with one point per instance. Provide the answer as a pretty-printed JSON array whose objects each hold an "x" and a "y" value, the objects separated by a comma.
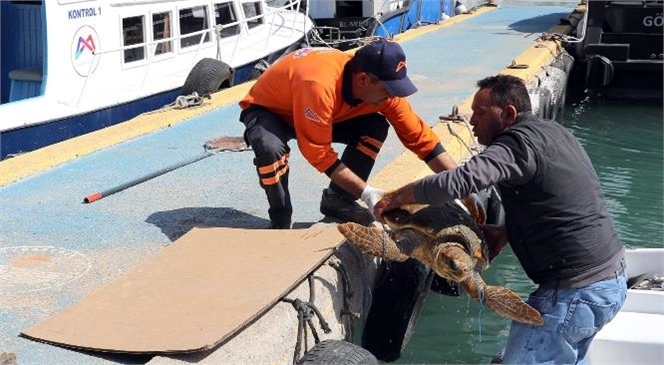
[{"x": 430, "y": 220}]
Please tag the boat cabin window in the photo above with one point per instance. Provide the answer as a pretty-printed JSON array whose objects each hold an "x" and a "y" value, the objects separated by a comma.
[
  {"x": 161, "y": 29},
  {"x": 193, "y": 20},
  {"x": 253, "y": 9},
  {"x": 224, "y": 13},
  {"x": 133, "y": 32}
]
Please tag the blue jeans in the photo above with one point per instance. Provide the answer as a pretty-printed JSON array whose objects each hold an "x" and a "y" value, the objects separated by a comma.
[{"x": 572, "y": 317}]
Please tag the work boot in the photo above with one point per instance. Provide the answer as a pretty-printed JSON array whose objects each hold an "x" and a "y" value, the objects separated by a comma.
[{"x": 337, "y": 206}]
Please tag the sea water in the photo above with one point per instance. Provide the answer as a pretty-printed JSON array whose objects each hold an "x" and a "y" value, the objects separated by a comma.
[{"x": 624, "y": 142}]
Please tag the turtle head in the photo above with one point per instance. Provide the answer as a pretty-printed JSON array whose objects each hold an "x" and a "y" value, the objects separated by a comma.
[{"x": 451, "y": 261}]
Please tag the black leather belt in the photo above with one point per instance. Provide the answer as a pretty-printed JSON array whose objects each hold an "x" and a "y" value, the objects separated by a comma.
[
  {"x": 618, "y": 272},
  {"x": 564, "y": 284}
]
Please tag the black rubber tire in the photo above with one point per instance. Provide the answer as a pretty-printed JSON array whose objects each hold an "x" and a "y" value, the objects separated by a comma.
[
  {"x": 396, "y": 307},
  {"x": 206, "y": 77},
  {"x": 337, "y": 352}
]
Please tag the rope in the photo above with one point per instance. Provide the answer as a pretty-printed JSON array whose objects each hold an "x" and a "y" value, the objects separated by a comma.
[
  {"x": 217, "y": 33},
  {"x": 186, "y": 101},
  {"x": 482, "y": 300},
  {"x": 347, "y": 293},
  {"x": 456, "y": 117},
  {"x": 305, "y": 313},
  {"x": 566, "y": 38},
  {"x": 384, "y": 253}
]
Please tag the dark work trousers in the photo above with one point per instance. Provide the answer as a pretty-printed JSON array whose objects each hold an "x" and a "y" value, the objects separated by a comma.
[{"x": 268, "y": 136}]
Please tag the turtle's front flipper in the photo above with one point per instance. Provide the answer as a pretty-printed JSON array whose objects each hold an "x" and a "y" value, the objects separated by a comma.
[
  {"x": 502, "y": 301},
  {"x": 372, "y": 241}
]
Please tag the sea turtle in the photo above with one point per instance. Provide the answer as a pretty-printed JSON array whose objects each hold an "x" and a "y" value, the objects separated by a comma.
[{"x": 450, "y": 242}]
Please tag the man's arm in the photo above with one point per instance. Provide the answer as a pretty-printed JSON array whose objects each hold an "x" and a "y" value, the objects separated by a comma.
[
  {"x": 349, "y": 181},
  {"x": 497, "y": 163},
  {"x": 442, "y": 162},
  {"x": 345, "y": 178}
]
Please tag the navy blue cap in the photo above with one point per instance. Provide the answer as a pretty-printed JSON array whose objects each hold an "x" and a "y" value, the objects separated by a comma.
[{"x": 387, "y": 61}]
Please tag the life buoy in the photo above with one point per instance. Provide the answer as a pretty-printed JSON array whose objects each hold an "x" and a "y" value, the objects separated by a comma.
[
  {"x": 207, "y": 76},
  {"x": 396, "y": 306},
  {"x": 337, "y": 352}
]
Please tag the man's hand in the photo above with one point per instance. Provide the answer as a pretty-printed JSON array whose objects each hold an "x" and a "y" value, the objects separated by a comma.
[
  {"x": 370, "y": 196},
  {"x": 475, "y": 208},
  {"x": 393, "y": 200}
]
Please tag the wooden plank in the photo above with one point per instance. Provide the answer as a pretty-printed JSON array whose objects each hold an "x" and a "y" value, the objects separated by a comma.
[{"x": 194, "y": 294}]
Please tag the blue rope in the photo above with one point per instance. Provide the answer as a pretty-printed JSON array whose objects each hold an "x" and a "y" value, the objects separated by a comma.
[{"x": 479, "y": 316}]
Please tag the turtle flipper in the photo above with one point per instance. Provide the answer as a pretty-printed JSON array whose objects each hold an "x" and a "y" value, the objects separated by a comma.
[
  {"x": 372, "y": 241},
  {"x": 504, "y": 302}
]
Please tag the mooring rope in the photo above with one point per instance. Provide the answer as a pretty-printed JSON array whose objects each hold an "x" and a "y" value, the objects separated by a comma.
[
  {"x": 384, "y": 253},
  {"x": 305, "y": 313},
  {"x": 347, "y": 293},
  {"x": 456, "y": 117},
  {"x": 186, "y": 101}
]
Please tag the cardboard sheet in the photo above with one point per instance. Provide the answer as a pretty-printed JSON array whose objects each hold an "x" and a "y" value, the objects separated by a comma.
[{"x": 194, "y": 294}]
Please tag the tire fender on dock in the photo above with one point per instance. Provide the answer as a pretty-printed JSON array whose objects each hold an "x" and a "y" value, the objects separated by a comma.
[
  {"x": 337, "y": 352},
  {"x": 207, "y": 76},
  {"x": 398, "y": 297}
]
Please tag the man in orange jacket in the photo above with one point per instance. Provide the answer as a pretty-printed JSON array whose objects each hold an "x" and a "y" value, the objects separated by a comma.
[{"x": 320, "y": 96}]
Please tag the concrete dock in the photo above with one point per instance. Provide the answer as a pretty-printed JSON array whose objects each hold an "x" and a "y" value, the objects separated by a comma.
[{"x": 76, "y": 248}]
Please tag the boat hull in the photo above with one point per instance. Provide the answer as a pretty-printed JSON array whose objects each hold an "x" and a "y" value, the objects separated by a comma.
[
  {"x": 636, "y": 334},
  {"x": 34, "y": 136},
  {"x": 621, "y": 49},
  {"x": 102, "y": 67}
]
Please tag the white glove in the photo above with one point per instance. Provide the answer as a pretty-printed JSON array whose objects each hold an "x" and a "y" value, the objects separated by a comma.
[{"x": 370, "y": 196}]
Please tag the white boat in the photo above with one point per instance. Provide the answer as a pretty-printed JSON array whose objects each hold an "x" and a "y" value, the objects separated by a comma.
[
  {"x": 69, "y": 67},
  {"x": 345, "y": 23},
  {"x": 636, "y": 334}
]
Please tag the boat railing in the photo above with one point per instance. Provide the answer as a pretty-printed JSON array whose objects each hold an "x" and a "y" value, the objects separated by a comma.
[
  {"x": 391, "y": 5},
  {"x": 293, "y": 6},
  {"x": 332, "y": 34}
]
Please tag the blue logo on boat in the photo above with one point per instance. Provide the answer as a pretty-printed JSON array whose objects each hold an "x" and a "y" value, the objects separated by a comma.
[
  {"x": 88, "y": 43},
  {"x": 83, "y": 46}
]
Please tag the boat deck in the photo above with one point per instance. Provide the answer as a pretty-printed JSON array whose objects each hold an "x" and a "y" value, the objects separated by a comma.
[{"x": 69, "y": 248}]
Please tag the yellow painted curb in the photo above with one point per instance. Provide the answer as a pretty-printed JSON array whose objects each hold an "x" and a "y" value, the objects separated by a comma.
[{"x": 31, "y": 163}]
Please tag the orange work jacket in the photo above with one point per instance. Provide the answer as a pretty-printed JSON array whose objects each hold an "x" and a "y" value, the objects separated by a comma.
[{"x": 304, "y": 88}]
